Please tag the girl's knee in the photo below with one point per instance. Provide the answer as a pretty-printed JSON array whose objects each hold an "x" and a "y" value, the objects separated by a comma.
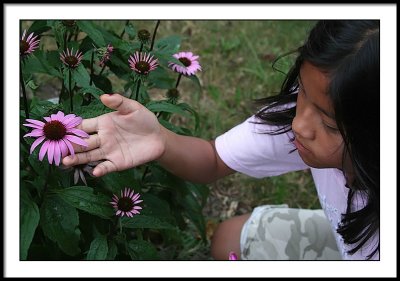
[{"x": 226, "y": 237}]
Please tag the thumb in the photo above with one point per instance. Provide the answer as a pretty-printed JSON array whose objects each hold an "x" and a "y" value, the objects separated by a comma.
[{"x": 120, "y": 103}]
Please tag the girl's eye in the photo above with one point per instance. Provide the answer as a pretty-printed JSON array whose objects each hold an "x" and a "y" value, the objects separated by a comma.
[{"x": 332, "y": 128}]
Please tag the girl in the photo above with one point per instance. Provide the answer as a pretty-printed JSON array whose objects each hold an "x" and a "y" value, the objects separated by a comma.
[{"x": 325, "y": 118}]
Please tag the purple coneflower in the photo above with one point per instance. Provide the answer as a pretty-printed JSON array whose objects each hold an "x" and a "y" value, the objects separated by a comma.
[
  {"x": 71, "y": 60},
  {"x": 232, "y": 256},
  {"x": 191, "y": 65},
  {"x": 142, "y": 63},
  {"x": 27, "y": 46},
  {"x": 125, "y": 205},
  {"x": 58, "y": 132}
]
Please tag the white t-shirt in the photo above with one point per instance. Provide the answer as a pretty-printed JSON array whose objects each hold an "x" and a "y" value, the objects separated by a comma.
[{"x": 247, "y": 149}]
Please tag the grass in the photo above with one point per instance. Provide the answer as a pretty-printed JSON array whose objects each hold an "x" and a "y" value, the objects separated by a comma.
[{"x": 236, "y": 58}]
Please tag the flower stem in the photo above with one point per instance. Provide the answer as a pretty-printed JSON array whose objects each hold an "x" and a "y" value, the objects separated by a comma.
[
  {"x": 179, "y": 80},
  {"x": 91, "y": 68},
  {"x": 141, "y": 47},
  {"x": 137, "y": 90},
  {"x": 102, "y": 69},
  {"x": 154, "y": 35},
  {"x": 69, "y": 88},
  {"x": 89, "y": 98},
  {"x": 21, "y": 78},
  {"x": 120, "y": 225}
]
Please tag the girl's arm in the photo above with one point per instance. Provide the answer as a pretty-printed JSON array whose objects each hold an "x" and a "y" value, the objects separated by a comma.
[{"x": 131, "y": 136}]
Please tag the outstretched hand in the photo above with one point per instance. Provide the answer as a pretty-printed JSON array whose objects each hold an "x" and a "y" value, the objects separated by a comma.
[{"x": 123, "y": 139}]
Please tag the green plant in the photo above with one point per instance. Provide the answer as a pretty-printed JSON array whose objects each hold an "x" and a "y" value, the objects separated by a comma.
[{"x": 65, "y": 213}]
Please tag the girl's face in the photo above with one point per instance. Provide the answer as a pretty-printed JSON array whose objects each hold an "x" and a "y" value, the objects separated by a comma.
[{"x": 317, "y": 137}]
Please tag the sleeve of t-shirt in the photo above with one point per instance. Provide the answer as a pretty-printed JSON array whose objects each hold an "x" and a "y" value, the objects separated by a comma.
[{"x": 247, "y": 149}]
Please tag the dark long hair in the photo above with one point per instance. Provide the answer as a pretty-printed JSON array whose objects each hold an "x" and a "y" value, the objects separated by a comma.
[{"x": 348, "y": 52}]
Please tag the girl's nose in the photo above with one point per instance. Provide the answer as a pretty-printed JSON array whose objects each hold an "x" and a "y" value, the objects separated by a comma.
[{"x": 302, "y": 126}]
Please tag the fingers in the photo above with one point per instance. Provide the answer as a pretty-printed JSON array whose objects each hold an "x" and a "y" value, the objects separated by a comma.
[
  {"x": 90, "y": 125},
  {"x": 104, "y": 168},
  {"x": 93, "y": 142},
  {"x": 83, "y": 158},
  {"x": 120, "y": 103}
]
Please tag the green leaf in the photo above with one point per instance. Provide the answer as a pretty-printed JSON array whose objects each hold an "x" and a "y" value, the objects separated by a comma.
[
  {"x": 92, "y": 31},
  {"x": 196, "y": 81},
  {"x": 38, "y": 63},
  {"x": 83, "y": 198},
  {"x": 102, "y": 83},
  {"x": 159, "y": 77},
  {"x": 143, "y": 221},
  {"x": 175, "y": 129},
  {"x": 60, "y": 222},
  {"x": 117, "y": 181},
  {"x": 142, "y": 250},
  {"x": 96, "y": 92},
  {"x": 188, "y": 108},
  {"x": 193, "y": 211},
  {"x": 168, "y": 44},
  {"x": 130, "y": 30},
  {"x": 81, "y": 76},
  {"x": 94, "y": 109},
  {"x": 98, "y": 249},
  {"x": 112, "y": 251},
  {"x": 29, "y": 220},
  {"x": 157, "y": 207},
  {"x": 164, "y": 106}
]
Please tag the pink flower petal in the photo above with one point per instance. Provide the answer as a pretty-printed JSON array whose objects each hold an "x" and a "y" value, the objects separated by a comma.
[
  {"x": 36, "y": 122},
  {"x": 35, "y": 133},
  {"x": 33, "y": 126},
  {"x": 78, "y": 132},
  {"x": 50, "y": 152},
  {"x": 43, "y": 149},
  {"x": 57, "y": 153},
  {"x": 76, "y": 140},
  {"x": 70, "y": 148},
  {"x": 73, "y": 123},
  {"x": 36, "y": 143},
  {"x": 63, "y": 148}
]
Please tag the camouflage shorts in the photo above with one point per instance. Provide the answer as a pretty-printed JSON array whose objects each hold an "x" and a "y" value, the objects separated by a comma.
[{"x": 276, "y": 232}]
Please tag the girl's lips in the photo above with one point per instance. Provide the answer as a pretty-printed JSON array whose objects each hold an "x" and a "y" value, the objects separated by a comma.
[{"x": 300, "y": 147}]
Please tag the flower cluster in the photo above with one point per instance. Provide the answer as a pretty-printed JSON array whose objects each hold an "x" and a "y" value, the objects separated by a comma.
[{"x": 105, "y": 54}]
